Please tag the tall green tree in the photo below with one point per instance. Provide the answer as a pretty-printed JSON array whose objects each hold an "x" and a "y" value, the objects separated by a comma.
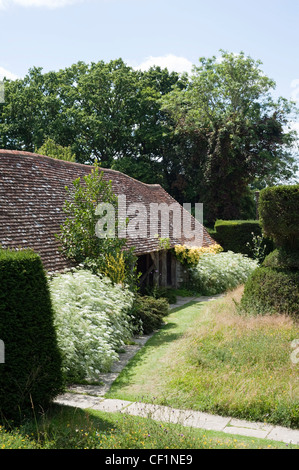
[
  {"x": 207, "y": 138},
  {"x": 235, "y": 132},
  {"x": 104, "y": 111},
  {"x": 90, "y": 108},
  {"x": 51, "y": 149},
  {"x": 154, "y": 141}
]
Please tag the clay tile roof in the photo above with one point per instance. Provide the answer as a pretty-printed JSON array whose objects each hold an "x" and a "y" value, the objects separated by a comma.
[{"x": 32, "y": 195}]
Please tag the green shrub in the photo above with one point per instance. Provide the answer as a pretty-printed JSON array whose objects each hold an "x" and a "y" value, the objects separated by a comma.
[
  {"x": 159, "y": 292},
  {"x": 279, "y": 214},
  {"x": 149, "y": 312},
  {"x": 237, "y": 236},
  {"x": 217, "y": 273},
  {"x": 274, "y": 287},
  {"x": 31, "y": 373},
  {"x": 282, "y": 257},
  {"x": 271, "y": 290}
]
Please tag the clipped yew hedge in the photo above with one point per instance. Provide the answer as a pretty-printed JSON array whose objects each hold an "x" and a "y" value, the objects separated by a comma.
[
  {"x": 279, "y": 215},
  {"x": 31, "y": 375},
  {"x": 271, "y": 291},
  {"x": 274, "y": 286},
  {"x": 237, "y": 235}
]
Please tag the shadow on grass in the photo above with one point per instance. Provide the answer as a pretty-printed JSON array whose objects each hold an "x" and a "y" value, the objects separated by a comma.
[
  {"x": 61, "y": 416},
  {"x": 58, "y": 427}
]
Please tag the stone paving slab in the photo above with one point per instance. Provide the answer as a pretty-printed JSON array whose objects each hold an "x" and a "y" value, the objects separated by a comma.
[
  {"x": 76, "y": 400},
  {"x": 241, "y": 423},
  {"x": 206, "y": 421},
  {"x": 186, "y": 418},
  {"x": 111, "y": 406},
  {"x": 259, "y": 433},
  {"x": 279, "y": 433},
  {"x": 246, "y": 428},
  {"x": 155, "y": 412}
]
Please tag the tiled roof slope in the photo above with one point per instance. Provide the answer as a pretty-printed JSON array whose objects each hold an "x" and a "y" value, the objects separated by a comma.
[{"x": 32, "y": 194}]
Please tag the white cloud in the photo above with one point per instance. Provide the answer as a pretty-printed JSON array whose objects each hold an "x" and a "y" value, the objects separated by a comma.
[
  {"x": 295, "y": 92},
  {"x": 295, "y": 126},
  {"x": 38, "y": 3},
  {"x": 295, "y": 97},
  {"x": 7, "y": 74},
  {"x": 171, "y": 62}
]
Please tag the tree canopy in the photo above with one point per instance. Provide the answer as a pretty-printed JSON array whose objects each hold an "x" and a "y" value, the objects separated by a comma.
[
  {"x": 205, "y": 138},
  {"x": 237, "y": 133}
]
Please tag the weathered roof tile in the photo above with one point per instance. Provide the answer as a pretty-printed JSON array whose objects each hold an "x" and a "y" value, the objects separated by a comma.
[{"x": 32, "y": 195}]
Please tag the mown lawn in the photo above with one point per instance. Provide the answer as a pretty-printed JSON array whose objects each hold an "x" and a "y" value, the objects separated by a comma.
[{"x": 210, "y": 358}]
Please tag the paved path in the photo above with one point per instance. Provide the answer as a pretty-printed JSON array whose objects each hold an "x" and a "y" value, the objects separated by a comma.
[{"x": 90, "y": 396}]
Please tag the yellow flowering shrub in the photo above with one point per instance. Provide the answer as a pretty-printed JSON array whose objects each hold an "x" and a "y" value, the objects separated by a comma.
[
  {"x": 115, "y": 268},
  {"x": 190, "y": 255}
]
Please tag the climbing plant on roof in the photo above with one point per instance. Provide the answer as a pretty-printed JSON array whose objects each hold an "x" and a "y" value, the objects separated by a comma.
[{"x": 86, "y": 216}]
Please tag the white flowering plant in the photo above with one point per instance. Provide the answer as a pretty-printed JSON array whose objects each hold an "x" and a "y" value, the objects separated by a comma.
[
  {"x": 218, "y": 273},
  {"x": 92, "y": 320}
]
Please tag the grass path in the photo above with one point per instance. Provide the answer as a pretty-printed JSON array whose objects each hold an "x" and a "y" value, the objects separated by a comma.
[{"x": 144, "y": 377}]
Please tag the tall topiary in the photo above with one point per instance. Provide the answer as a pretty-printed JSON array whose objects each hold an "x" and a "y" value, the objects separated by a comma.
[
  {"x": 274, "y": 286},
  {"x": 279, "y": 215},
  {"x": 31, "y": 373}
]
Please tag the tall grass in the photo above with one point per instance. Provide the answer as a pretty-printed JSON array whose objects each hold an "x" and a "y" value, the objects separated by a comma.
[
  {"x": 221, "y": 362},
  {"x": 247, "y": 364}
]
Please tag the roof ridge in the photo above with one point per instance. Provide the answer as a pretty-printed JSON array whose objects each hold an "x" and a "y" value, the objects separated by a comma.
[{"x": 33, "y": 154}]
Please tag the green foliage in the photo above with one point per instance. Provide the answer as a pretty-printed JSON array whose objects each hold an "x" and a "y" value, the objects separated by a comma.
[
  {"x": 278, "y": 208},
  {"x": 31, "y": 375},
  {"x": 16, "y": 439},
  {"x": 236, "y": 132},
  {"x": 274, "y": 287},
  {"x": 164, "y": 243},
  {"x": 149, "y": 312},
  {"x": 257, "y": 247},
  {"x": 159, "y": 292},
  {"x": 73, "y": 428},
  {"x": 206, "y": 138},
  {"x": 282, "y": 258},
  {"x": 92, "y": 319},
  {"x": 104, "y": 111},
  {"x": 51, "y": 149},
  {"x": 272, "y": 290},
  {"x": 189, "y": 256},
  {"x": 241, "y": 236},
  {"x": 217, "y": 273},
  {"x": 78, "y": 236}
]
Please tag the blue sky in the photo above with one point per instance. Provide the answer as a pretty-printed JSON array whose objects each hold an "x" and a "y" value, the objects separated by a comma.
[{"x": 54, "y": 34}]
